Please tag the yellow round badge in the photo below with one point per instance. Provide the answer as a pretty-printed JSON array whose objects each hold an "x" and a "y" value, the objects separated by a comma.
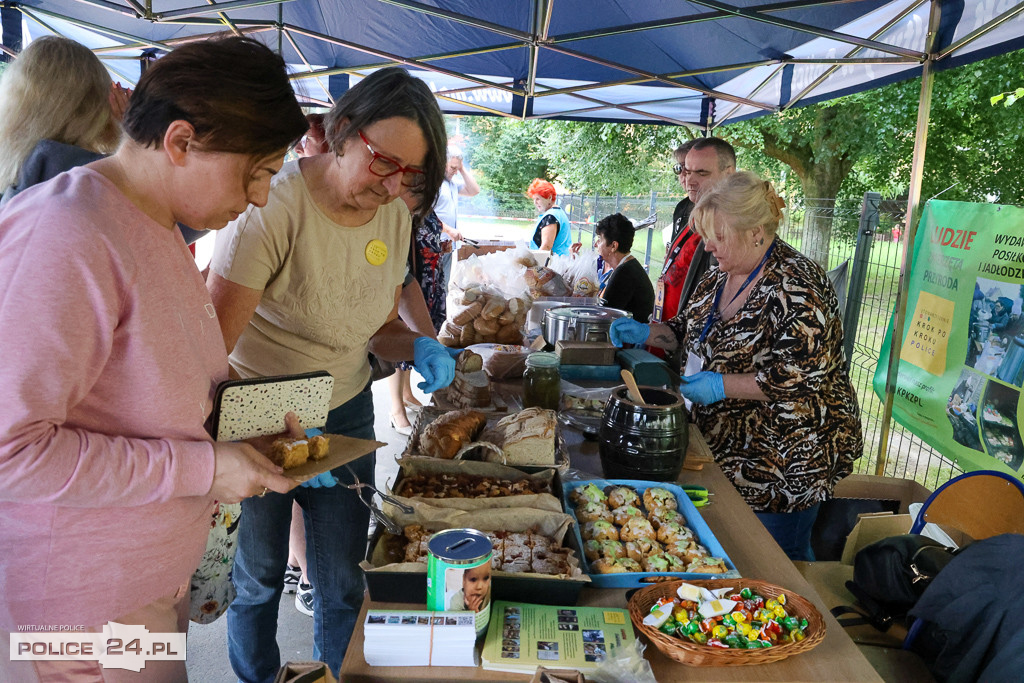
[{"x": 376, "y": 252}]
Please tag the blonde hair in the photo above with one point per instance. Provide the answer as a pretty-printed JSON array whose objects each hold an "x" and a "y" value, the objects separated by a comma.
[
  {"x": 56, "y": 90},
  {"x": 745, "y": 199}
]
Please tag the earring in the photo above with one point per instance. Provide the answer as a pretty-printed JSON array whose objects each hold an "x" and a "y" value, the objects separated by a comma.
[{"x": 759, "y": 243}]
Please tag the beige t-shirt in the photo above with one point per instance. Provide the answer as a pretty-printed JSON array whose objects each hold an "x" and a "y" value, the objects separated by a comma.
[{"x": 322, "y": 298}]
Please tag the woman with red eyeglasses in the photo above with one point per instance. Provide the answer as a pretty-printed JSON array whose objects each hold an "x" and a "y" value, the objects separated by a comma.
[{"x": 311, "y": 281}]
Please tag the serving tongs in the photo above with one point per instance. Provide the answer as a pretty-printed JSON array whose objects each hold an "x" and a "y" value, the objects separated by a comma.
[{"x": 391, "y": 525}]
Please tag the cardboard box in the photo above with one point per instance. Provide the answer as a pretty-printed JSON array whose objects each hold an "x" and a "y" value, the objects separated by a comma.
[
  {"x": 871, "y": 528},
  {"x": 304, "y": 672},
  {"x": 483, "y": 247},
  {"x": 856, "y": 495},
  {"x": 867, "y": 486}
]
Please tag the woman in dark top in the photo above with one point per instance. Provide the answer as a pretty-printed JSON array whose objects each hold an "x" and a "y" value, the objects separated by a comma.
[{"x": 627, "y": 286}]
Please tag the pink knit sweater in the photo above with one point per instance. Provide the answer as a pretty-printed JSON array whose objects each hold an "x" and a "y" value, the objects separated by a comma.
[{"x": 110, "y": 350}]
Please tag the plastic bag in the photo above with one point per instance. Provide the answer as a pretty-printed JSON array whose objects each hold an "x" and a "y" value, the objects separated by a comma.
[
  {"x": 544, "y": 281},
  {"x": 628, "y": 665},
  {"x": 582, "y": 274},
  {"x": 487, "y": 300},
  {"x": 481, "y": 314}
]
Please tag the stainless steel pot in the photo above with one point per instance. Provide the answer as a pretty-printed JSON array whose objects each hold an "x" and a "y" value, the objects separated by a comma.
[{"x": 580, "y": 323}]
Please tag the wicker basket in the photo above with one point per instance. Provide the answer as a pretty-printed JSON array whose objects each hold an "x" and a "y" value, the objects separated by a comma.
[{"x": 686, "y": 652}]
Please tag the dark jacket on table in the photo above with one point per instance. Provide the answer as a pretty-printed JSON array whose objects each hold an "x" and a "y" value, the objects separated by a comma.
[{"x": 972, "y": 613}]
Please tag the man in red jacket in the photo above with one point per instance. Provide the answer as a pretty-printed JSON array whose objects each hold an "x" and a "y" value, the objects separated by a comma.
[{"x": 707, "y": 161}]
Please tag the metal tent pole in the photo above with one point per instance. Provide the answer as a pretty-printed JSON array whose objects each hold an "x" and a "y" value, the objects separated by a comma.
[{"x": 910, "y": 230}]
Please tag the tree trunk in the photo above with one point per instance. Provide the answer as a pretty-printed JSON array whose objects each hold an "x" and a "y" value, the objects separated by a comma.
[{"x": 820, "y": 188}]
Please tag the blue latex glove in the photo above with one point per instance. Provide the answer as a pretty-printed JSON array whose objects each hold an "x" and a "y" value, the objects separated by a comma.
[
  {"x": 325, "y": 480},
  {"x": 454, "y": 353},
  {"x": 321, "y": 481},
  {"x": 703, "y": 388},
  {"x": 434, "y": 362},
  {"x": 628, "y": 331}
]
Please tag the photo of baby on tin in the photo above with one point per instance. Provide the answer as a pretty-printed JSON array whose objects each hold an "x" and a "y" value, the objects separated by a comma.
[{"x": 472, "y": 586}]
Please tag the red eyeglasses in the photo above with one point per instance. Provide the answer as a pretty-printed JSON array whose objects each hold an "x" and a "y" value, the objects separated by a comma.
[{"x": 385, "y": 167}]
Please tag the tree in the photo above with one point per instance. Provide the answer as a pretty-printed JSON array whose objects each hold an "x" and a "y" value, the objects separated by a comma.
[
  {"x": 506, "y": 154},
  {"x": 866, "y": 141}
]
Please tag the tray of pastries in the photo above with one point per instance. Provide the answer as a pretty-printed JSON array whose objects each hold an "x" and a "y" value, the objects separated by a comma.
[
  {"x": 471, "y": 485},
  {"x": 636, "y": 532}
]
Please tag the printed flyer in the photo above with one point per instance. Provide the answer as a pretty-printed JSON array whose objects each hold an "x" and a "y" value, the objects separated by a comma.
[
  {"x": 522, "y": 637},
  {"x": 961, "y": 365}
]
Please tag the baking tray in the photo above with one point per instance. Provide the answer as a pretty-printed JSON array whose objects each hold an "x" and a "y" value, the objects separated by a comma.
[
  {"x": 394, "y": 586},
  {"x": 694, "y": 520}
]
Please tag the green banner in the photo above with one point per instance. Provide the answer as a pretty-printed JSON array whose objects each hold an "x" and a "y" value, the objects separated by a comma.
[{"x": 962, "y": 360}]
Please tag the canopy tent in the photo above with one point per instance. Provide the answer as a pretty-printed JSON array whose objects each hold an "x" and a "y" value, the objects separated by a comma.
[{"x": 702, "y": 63}]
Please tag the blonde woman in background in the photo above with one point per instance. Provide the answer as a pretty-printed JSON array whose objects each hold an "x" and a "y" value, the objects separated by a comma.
[
  {"x": 765, "y": 365},
  {"x": 58, "y": 109}
]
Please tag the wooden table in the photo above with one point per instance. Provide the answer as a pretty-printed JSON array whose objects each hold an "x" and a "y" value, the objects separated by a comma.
[{"x": 751, "y": 548}]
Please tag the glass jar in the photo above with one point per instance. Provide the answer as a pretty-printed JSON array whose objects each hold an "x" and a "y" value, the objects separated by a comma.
[{"x": 542, "y": 385}]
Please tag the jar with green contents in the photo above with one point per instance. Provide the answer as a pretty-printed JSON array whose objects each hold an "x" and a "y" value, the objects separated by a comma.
[{"x": 542, "y": 385}]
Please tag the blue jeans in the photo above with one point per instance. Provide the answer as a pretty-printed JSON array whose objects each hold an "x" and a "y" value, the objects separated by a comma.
[
  {"x": 336, "y": 527},
  {"x": 792, "y": 531}
]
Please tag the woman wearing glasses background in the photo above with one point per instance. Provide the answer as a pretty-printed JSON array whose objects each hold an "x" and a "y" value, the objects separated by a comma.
[{"x": 311, "y": 281}]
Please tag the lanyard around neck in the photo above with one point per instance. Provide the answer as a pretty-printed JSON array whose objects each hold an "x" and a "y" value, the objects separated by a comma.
[{"x": 713, "y": 315}]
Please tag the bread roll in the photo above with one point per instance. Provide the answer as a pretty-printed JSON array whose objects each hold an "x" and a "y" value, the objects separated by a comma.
[
  {"x": 318, "y": 447},
  {"x": 487, "y": 327},
  {"x": 493, "y": 308},
  {"x": 468, "y": 314},
  {"x": 469, "y": 336}
]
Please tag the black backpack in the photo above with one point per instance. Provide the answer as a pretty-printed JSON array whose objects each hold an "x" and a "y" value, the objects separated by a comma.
[{"x": 890, "y": 575}]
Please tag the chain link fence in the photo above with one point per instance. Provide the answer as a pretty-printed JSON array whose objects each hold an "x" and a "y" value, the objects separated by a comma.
[{"x": 907, "y": 455}]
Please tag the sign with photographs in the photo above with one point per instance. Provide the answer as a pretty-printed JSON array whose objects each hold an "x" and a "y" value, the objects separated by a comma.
[
  {"x": 522, "y": 636},
  {"x": 961, "y": 364}
]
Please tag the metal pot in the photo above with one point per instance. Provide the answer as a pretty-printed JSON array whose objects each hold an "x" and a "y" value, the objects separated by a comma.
[{"x": 580, "y": 323}]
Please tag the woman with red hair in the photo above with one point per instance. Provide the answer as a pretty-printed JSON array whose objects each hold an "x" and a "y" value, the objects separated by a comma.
[{"x": 553, "y": 231}]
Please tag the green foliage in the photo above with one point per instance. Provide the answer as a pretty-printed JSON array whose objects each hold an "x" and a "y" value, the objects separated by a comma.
[
  {"x": 974, "y": 152},
  {"x": 608, "y": 157},
  {"x": 505, "y": 154},
  {"x": 1007, "y": 98}
]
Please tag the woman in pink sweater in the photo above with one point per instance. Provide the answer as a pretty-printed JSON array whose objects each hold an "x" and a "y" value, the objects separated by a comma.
[{"x": 112, "y": 350}]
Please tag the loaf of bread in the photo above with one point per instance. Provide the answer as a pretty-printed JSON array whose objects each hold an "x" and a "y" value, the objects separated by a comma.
[
  {"x": 471, "y": 388},
  {"x": 450, "y": 432},
  {"x": 527, "y": 437}
]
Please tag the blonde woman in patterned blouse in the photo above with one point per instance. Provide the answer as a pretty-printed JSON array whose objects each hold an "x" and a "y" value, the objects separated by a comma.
[{"x": 766, "y": 371}]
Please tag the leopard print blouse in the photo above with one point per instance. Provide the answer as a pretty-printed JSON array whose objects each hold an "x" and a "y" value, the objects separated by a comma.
[{"x": 785, "y": 454}]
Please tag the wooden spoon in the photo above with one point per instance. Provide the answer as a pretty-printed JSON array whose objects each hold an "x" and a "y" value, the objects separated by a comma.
[{"x": 632, "y": 388}]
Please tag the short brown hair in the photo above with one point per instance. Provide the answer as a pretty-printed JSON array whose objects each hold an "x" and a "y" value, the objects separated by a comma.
[
  {"x": 394, "y": 93},
  {"x": 726, "y": 153},
  {"x": 234, "y": 91}
]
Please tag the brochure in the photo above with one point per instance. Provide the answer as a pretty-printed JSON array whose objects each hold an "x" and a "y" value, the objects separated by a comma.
[
  {"x": 522, "y": 636},
  {"x": 419, "y": 638}
]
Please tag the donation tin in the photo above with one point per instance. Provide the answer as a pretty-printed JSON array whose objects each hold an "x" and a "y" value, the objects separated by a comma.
[{"x": 459, "y": 574}]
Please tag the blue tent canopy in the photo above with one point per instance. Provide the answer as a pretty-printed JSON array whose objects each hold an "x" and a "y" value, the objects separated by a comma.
[{"x": 700, "y": 63}]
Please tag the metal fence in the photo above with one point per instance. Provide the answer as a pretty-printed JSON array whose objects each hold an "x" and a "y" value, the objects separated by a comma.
[{"x": 865, "y": 233}]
